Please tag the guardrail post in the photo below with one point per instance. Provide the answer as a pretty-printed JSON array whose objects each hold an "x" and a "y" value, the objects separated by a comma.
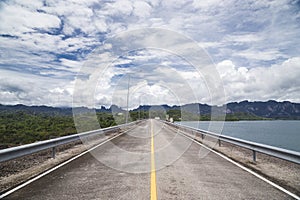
[
  {"x": 285, "y": 154},
  {"x": 53, "y": 152},
  {"x": 254, "y": 155}
]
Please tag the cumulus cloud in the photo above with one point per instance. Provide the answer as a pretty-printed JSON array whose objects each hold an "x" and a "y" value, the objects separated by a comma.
[
  {"x": 16, "y": 20},
  {"x": 50, "y": 42},
  {"x": 279, "y": 81},
  {"x": 29, "y": 89},
  {"x": 206, "y": 4},
  {"x": 141, "y": 9}
]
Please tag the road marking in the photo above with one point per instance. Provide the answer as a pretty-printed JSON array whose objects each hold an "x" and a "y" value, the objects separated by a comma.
[
  {"x": 58, "y": 166},
  {"x": 153, "y": 195},
  {"x": 241, "y": 166}
]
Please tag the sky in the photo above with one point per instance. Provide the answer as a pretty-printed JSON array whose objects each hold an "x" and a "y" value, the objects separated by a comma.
[{"x": 83, "y": 52}]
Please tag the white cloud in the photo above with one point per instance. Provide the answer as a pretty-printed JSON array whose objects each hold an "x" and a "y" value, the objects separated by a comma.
[
  {"x": 171, "y": 4},
  {"x": 141, "y": 9},
  {"x": 123, "y": 7},
  {"x": 266, "y": 55},
  {"x": 202, "y": 4},
  {"x": 279, "y": 82},
  {"x": 29, "y": 89},
  {"x": 16, "y": 20},
  {"x": 243, "y": 38},
  {"x": 73, "y": 65},
  {"x": 52, "y": 40},
  {"x": 32, "y": 4}
]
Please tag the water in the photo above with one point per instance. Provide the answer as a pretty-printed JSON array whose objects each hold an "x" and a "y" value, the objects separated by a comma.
[{"x": 279, "y": 133}]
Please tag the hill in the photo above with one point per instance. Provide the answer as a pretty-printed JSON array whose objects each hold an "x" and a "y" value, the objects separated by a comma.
[
  {"x": 20, "y": 124},
  {"x": 244, "y": 110}
]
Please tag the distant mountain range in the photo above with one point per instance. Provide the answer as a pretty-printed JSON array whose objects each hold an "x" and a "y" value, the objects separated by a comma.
[
  {"x": 269, "y": 109},
  {"x": 48, "y": 110}
]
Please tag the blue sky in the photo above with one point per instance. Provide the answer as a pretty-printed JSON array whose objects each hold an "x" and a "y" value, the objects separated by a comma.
[{"x": 46, "y": 44}]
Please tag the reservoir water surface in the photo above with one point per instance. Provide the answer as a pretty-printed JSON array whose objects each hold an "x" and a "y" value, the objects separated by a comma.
[{"x": 279, "y": 133}]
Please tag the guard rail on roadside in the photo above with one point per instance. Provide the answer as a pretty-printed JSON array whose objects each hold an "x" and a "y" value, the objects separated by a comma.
[
  {"x": 23, "y": 150},
  {"x": 289, "y": 155}
]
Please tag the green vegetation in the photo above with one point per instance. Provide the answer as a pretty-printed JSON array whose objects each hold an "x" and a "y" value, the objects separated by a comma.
[
  {"x": 177, "y": 115},
  {"x": 106, "y": 119},
  {"x": 243, "y": 116},
  {"x": 136, "y": 115},
  {"x": 17, "y": 128},
  {"x": 23, "y": 127}
]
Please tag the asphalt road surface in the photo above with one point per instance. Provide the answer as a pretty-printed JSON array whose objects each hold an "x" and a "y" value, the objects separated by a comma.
[{"x": 152, "y": 162}]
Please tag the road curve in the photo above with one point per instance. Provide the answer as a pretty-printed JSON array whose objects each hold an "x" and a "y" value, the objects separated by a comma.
[{"x": 157, "y": 164}]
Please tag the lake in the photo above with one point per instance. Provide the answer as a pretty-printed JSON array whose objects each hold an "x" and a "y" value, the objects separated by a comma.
[{"x": 279, "y": 133}]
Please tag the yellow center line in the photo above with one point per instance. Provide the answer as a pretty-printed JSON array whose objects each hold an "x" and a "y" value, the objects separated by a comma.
[{"x": 153, "y": 195}]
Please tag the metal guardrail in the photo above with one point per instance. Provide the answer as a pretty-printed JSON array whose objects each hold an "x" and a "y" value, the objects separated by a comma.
[
  {"x": 289, "y": 155},
  {"x": 23, "y": 150}
]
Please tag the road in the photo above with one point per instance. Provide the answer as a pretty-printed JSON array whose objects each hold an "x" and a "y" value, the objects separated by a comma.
[{"x": 149, "y": 162}]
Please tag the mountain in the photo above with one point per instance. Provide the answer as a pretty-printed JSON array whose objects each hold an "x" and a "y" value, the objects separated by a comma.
[
  {"x": 270, "y": 109},
  {"x": 52, "y": 111},
  {"x": 36, "y": 109}
]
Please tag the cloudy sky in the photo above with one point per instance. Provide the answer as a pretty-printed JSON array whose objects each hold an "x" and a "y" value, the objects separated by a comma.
[{"x": 51, "y": 49}]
